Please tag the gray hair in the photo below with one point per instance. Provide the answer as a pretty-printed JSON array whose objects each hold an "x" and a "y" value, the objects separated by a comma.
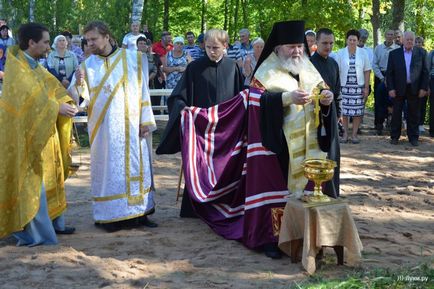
[
  {"x": 363, "y": 33},
  {"x": 245, "y": 31},
  {"x": 409, "y": 33},
  {"x": 258, "y": 40}
]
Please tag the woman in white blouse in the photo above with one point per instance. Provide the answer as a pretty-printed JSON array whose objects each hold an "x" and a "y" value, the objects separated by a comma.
[{"x": 355, "y": 69}]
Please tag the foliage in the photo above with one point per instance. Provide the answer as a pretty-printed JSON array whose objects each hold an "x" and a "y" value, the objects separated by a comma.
[
  {"x": 257, "y": 15},
  {"x": 373, "y": 279}
]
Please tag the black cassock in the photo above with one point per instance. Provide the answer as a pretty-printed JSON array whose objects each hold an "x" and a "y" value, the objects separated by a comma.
[
  {"x": 273, "y": 137},
  {"x": 204, "y": 83}
]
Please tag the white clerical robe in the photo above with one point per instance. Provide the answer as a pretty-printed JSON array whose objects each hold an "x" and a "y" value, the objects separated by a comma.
[{"x": 117, "y": 91}]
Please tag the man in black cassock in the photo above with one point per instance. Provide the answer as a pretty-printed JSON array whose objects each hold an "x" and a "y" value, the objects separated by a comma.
[
  {"x": 289, "y": 126},
  {"x": 207, "y": 81},
  {"x": 329, "y": 70}
]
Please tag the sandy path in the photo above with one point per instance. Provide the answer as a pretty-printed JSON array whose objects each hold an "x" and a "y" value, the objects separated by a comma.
[{"x": 390, "y": 190}]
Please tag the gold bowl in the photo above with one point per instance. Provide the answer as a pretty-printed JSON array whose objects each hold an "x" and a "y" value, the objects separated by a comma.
[{"x": 318, "y": 171}]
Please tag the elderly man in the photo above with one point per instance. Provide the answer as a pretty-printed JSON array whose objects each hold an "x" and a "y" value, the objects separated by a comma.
[
  {"x": 364, "y": 34},
  {"x": 407, "y": 80},
  {"x": 245, "y": 44},
  {"x": 288, "y": 120},
  {"x": 379, "y": 66},
  {"x": 287, "y": 113}
]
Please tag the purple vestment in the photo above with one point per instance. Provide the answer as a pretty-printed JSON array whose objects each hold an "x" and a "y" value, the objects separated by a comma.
[{"x": 232, "y": 179}]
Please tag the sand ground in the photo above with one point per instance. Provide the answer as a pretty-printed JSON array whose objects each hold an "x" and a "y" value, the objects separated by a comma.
[{"x": 390, "y": 190}]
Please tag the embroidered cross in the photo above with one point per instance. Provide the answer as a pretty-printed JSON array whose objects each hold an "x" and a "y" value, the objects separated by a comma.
[{"x": 107, "y": 89}]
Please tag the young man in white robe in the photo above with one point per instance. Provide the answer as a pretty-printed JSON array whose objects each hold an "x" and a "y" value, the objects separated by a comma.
[{"x": 114, "y": 83}]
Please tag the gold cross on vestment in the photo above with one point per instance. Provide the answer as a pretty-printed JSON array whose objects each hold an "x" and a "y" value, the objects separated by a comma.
[{"x": 107, "y": 88}]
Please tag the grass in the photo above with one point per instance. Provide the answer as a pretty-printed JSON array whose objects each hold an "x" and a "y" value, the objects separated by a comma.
[{"x": 376, "y": 278}]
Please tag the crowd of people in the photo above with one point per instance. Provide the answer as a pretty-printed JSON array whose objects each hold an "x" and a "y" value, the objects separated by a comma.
[{"x": 242, "y": 116}]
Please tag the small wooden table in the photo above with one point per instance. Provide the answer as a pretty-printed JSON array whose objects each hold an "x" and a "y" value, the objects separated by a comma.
[{"x": 309, "y": 228}]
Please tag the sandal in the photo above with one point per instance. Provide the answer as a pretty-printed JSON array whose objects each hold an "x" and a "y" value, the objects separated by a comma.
[
  {"x": 343, "y": 140},
  {"x": 355, "y": 141}
]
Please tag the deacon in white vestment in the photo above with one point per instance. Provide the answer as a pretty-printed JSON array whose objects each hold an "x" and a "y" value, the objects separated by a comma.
[{"x": 114, "y": 83}]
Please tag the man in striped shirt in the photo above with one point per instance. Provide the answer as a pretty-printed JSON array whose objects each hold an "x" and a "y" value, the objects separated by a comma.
[{"x": 191, "y": 47}]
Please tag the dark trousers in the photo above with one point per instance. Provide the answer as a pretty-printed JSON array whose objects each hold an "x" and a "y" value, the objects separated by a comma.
[
  {"x": 413, "y": 108},
  {"x": 431, "y": 108},
  {"x": 423, "y": 103},
  {"x": 382, "y": 101}
]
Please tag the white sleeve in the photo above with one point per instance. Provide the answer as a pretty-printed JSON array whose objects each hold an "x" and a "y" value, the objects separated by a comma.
[
  {"x": 125, "y": 40},
  {"x": 146, "y": 113}
]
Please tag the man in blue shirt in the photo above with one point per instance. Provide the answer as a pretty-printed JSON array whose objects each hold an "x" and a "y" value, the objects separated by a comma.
[{"x": 194, "y": 50}]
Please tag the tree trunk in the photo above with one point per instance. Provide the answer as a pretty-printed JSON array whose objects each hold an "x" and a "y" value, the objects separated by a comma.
[
  {"x": 203, "y": 17},
  {"x": 237, "y": 7},
  {"x": 231, "y": 19},
  {"x": 375, "y": 21},
  {"x": 137, "y": 10},
  {"x": 225, "y": 25},
  {"x": 398, "y": 14},
  {"x": 420, "y": 26},
  {"x": 166, "y": 16},
  {"x": 245, "y": 18},
  {"x": 54, "y": 15},
  {"x": 32, "y": 10}
]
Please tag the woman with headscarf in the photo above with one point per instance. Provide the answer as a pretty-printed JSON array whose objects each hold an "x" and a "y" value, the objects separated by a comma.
[
  {"x": 175, "y": 62},
  {"x": 61, "y": 62}
]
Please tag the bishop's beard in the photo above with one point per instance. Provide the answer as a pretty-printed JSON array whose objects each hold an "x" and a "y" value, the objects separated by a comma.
[{"x": 294, "y": 65}]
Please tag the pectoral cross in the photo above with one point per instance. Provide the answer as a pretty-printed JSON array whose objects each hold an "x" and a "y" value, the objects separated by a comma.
[{"x": 316, "y": 97}]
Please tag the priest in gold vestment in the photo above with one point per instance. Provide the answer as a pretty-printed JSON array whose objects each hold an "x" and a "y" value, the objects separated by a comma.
[
  {"x": 36, "y": 126},
  {"x": 290, "y": 126}
]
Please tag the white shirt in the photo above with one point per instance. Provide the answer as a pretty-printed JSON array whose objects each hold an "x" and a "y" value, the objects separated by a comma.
[{"x": 130, "y": 40}]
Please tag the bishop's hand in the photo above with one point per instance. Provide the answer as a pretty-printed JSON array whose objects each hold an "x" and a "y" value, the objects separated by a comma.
[
  {"x": 298, "y": 96},
  {"x": 326, "y": 97}
]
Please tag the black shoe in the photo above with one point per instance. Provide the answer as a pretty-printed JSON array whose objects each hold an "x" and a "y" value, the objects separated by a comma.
[
  {"x": 379, "y": 129},
  {"x": 394, "y": 141},
  {"x": 67, "y": 231},
  {"x": 110, "y": 227},
  {"x": 147, "y": 223},
  {"x": 272, "y": 251},
  {"x": 414, "y": 142}
]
